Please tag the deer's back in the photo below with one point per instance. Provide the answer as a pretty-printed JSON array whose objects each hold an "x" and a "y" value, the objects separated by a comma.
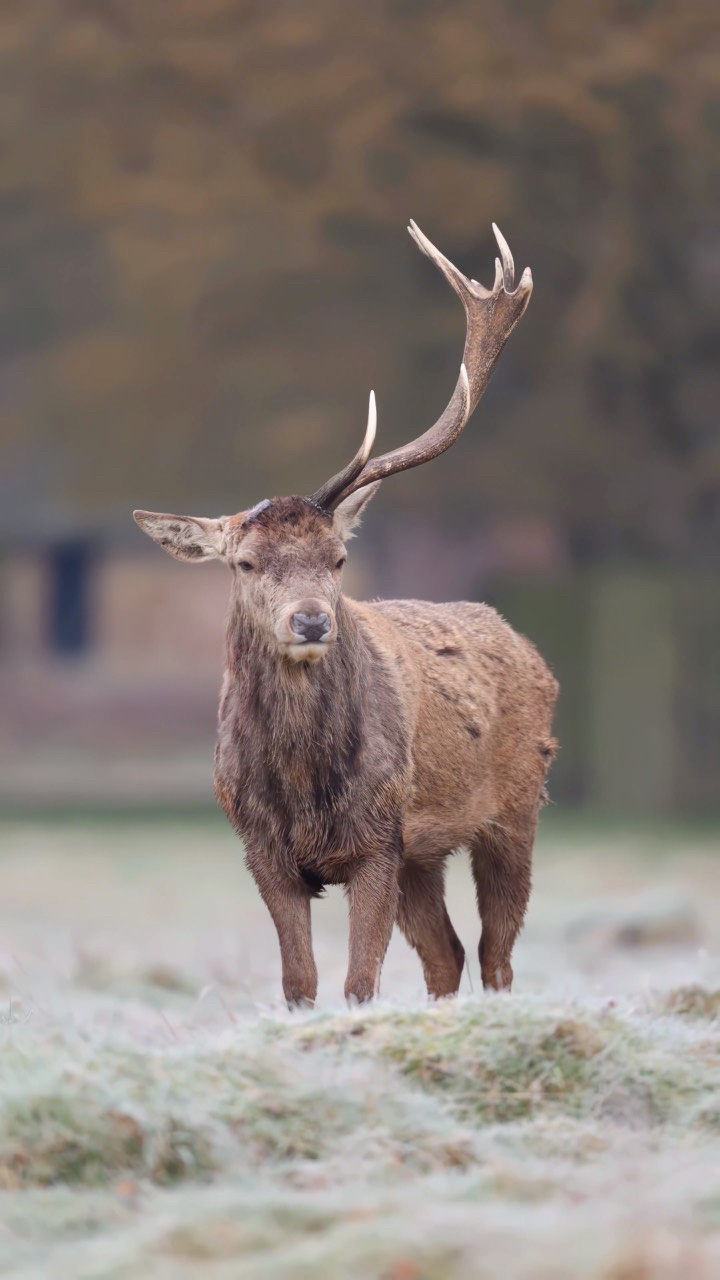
[{"x": 480, "y": 699}]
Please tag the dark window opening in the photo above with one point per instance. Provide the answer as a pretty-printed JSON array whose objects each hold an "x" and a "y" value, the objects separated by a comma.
[{"x": 70, "y": 574}]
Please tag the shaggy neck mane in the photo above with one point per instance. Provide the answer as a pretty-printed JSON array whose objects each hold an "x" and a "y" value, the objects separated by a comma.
[{"x": 298, "y": 707}]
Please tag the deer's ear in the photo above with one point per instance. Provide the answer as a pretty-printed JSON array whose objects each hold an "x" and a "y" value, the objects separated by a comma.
[
  {"x": 350, "y": 512},
  {"x": 193, "y": 538}
]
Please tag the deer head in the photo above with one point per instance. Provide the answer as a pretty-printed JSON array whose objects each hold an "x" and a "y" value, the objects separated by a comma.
[{"x": 287, "y": 554}]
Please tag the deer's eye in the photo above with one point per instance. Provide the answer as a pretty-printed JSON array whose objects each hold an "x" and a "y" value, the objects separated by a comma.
[
  {"x": 246, "y": 566},
  {"x": 340, "y": 563}
]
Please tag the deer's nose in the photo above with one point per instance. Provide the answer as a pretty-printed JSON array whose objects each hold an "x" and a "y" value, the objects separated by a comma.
[{"x": 311, "y": 626}]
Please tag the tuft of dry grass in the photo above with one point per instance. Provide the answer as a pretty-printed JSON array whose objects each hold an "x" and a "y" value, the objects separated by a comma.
[{"x": 691, "y": 1001}]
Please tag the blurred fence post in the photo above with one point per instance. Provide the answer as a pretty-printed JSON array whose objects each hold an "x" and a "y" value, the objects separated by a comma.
[
  {"x": 632, "y": 692},
  {"x": 697, "y": 701}
]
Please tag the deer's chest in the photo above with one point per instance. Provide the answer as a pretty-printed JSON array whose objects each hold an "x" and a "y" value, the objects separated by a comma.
[
  {"x": 291, "y": 795},
  {"x": 315, "y": 789}
]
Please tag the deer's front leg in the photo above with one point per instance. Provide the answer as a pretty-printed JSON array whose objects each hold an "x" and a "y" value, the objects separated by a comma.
[
  {"x": 288, "y": 902},
  {"x": 373, "y": 894}
]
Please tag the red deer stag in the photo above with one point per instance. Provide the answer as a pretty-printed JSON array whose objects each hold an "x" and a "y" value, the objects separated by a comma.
[{"x": 360, "y": 744}]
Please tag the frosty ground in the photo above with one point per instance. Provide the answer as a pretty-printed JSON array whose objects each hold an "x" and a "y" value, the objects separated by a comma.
[{"x": 162, "y": 1115}]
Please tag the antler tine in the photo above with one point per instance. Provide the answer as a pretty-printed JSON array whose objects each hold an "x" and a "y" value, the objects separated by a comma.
[
  {"x": 491, "y": 316},
  {"x": 332, "y": 489},
  {"x": 448, "y": 268},
  {"x": 508, "y": 264}
]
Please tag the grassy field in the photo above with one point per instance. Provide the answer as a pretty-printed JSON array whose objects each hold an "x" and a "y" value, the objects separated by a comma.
[{"x": 162, "y": 1115}]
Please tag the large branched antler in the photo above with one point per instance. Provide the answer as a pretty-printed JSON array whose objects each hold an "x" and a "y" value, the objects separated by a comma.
[{"x": 491, "y": 317}]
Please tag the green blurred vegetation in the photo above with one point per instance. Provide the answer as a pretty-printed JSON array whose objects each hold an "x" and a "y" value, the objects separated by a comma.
[{"x": 204, "y": 264}]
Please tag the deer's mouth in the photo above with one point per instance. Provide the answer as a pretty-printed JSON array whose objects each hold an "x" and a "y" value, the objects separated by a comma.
[{"x": 300, "y": 650}]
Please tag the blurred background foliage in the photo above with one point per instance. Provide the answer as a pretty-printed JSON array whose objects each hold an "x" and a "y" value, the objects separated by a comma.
[{"x": 204, "y": 269}]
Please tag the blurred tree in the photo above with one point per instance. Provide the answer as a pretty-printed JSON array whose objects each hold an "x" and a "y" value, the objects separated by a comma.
[{"x": 204, "y": 269}]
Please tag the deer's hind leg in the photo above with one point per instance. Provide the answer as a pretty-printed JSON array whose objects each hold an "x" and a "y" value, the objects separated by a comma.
[
  {"x": 423, "y": 918},
  {"x": 501, "y": 856}
]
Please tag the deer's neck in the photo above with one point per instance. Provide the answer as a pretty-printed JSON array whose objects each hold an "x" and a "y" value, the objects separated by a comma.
[
  {"x": 304, "y": 751},
  {"x": 296, "y": 705}
]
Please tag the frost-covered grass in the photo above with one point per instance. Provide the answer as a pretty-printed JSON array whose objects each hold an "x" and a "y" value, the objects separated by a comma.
[{"x": 162, "y": 1115}]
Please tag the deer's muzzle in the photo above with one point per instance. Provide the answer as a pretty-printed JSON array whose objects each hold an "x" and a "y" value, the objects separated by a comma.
[{"x": 307, "y": 630}]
